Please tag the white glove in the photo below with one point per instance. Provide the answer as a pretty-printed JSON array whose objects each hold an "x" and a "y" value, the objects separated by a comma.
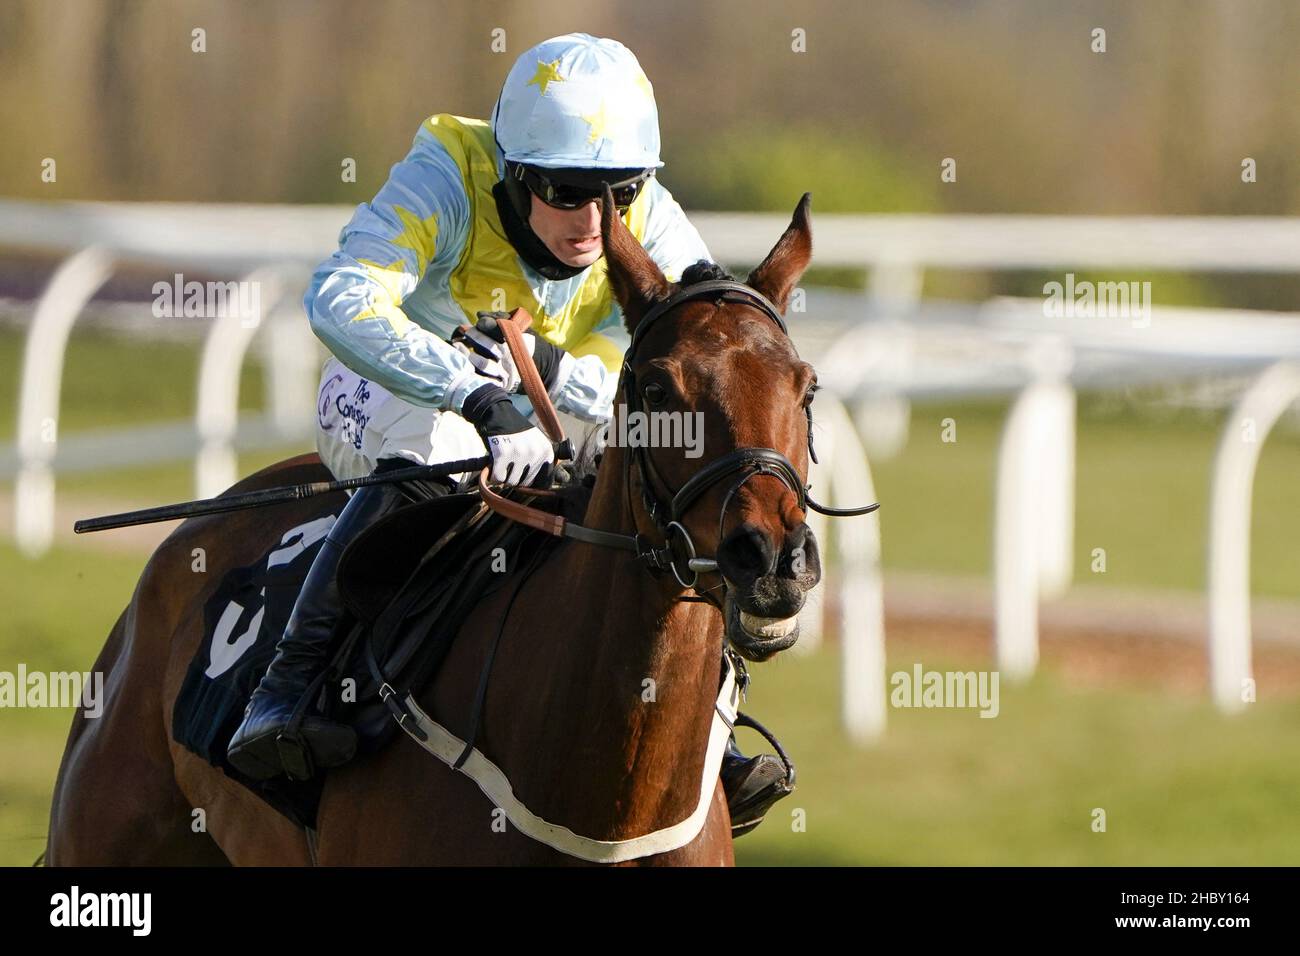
[
  {"x": 520, "y": 457},
  {"x": 518, "y": 448},
  {"x": 491, "y": 359}
]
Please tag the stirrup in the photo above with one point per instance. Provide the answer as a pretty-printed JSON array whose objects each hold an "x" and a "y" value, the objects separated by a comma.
[
  {"x": 299, "y": 745},
  {"x": 781, "y": 784},
  {"x": 295, "y": 757},
  {"x": 291, "y": 743}
]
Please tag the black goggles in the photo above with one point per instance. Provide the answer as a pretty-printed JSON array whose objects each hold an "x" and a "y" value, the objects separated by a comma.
[{"x": 554, "y": 191}]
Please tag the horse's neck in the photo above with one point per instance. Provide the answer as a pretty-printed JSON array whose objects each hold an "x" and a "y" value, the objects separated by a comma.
[
  {"x": 643, "y": 605},
  {"x": 631, "y": 679}
]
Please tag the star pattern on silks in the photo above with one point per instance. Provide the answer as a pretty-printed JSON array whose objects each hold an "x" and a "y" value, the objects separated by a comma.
[
  {"x": 418, "y": 235},
  {"x": 599, "y": 122},
  {"x": 546, "y": 73}
]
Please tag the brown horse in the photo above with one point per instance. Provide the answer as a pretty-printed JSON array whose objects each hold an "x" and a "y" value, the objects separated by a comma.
[{"x": 566, "y": 716}]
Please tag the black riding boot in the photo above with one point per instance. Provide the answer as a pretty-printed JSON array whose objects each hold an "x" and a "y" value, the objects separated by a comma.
[
  {"x": 752, "y": 785},
  {"x": 258, "y": 748}
]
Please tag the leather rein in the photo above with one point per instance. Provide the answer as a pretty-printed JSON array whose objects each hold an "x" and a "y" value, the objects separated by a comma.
[{"x": 742, "y": 464}]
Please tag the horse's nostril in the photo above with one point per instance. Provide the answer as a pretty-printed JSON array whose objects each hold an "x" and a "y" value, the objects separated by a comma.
[
  {"x": 747, "y": 552},
  {"x": 750, "y": 553},
  {"x": 799, "y": 557}
]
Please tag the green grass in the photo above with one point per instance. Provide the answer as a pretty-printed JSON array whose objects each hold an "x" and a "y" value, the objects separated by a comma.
[
  {"x": 1179, "y": 783},
  {"x": 1142, "y": 494},
  {"x": 69, "y": 602},
  {"x": 111, "y": 380},
  {"x": 163, "y": 484}
]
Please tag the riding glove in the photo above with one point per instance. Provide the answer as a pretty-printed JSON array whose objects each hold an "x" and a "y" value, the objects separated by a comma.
[
  {"x": 484, "y": 345},
  {"x": 518, "y": 448}
]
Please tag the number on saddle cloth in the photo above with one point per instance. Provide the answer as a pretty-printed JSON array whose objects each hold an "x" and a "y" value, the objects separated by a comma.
[{"x": 243, "y": 620}]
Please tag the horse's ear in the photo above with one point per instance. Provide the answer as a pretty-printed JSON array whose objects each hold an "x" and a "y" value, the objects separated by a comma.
[
  {"x": 637, "y": 282},
  {"x": 778, "y": 274}
]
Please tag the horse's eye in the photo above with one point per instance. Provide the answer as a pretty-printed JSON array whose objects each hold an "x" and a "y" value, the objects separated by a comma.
[
  {"x": 810, "y": 394},
  {"x": 655, "y": 394}
]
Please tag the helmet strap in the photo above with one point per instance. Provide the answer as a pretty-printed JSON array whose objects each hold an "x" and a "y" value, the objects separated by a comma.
[{"x": 518, "y": 192}]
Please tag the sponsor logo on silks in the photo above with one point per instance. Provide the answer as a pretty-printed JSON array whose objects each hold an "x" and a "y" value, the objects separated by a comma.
[
  {"x": 326, "y": 400},
  {"x": 922, "y": 688},
  {"x": 55, "y": 689},
  {"x": 76, "y": 908},
  {"x": 354, "y": 421}
]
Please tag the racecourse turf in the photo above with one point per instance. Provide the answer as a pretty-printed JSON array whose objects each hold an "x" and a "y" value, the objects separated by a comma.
[{"x": 1179, "y": 783}]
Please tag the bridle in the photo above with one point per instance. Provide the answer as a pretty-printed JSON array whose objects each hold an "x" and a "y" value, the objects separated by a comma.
[{"x": 742, "y": 464}]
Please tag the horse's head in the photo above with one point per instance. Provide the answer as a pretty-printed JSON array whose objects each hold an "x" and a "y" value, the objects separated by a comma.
[{"x": 723, "y": 360}]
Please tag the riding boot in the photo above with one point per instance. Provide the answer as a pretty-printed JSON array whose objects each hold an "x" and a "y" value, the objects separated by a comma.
[
  {"x": 752, "y": 786},
  {"x": 260, "y": 748}
]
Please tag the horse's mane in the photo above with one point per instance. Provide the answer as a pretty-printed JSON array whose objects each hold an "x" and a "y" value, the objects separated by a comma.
[{"x": 704, "y": 271}]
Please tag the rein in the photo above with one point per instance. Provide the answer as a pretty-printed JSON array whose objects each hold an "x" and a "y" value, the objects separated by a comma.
[{"x": 742, "y": 463}]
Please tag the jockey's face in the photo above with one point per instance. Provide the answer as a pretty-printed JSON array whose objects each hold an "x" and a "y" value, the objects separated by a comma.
[{"x": 572, "y": 235}]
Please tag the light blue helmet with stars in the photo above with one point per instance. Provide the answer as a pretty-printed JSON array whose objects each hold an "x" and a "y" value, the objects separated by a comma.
[{"x": 578, "y": 101}]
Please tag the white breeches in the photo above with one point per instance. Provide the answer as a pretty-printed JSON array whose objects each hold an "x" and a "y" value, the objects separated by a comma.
[{"x": 358, "y": 422}]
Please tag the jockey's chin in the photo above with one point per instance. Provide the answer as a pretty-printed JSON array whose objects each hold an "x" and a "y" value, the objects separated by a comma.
[{"x": 572, "y": 235}]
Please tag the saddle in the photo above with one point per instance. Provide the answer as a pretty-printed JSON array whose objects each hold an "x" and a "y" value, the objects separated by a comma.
[{"x": 408, "y": 584}]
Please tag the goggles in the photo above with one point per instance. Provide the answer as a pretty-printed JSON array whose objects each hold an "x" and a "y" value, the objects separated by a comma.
[{"x": 560, "y": 191}]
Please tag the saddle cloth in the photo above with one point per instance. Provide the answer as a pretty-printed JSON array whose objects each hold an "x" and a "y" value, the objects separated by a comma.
[{"x": 408, "y": 584}]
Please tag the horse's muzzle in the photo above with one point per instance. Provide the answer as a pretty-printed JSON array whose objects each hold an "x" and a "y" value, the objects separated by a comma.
[
  {"x": 766, "y": 590},
  {"x": 755, "y": 636}
]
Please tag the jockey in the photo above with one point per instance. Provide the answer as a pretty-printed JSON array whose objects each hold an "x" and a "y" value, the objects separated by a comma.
[{"x": 477, "y": 217}]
